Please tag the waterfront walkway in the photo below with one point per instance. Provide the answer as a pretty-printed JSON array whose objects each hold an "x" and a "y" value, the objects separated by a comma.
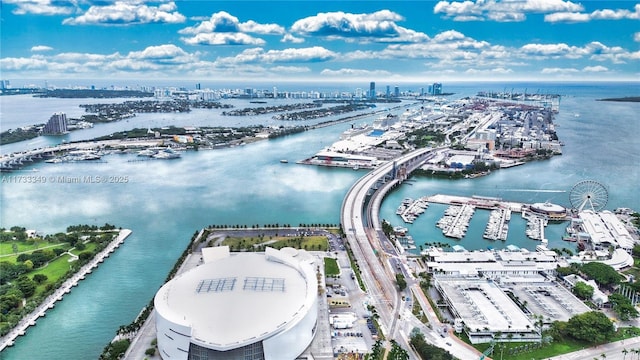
[{"x": 49, "y": 302}]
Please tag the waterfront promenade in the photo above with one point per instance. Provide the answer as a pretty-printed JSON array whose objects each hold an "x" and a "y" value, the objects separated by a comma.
[{"x": 65, "y": 288}]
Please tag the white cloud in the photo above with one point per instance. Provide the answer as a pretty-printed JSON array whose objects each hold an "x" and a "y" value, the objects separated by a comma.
[
  {"x": 355, "y": 73},
  {"x": 23, "y": 64},
  {"x": 167, "y": 58},
  {"x": 223, "y": 28},
  {"x": 292, "y": 39},
  {"x": 636, "y": 37},
  {"x": 450, "y": 35},
  {"x": 569, "y": 17},
  {"x": 168, "y": 53},
  {"x": 311, "y": 54},
  {"x": 446, "y": 45},
  {"x": 379, "y": 26},
  {"x": 42, "y": 7},
  {"x": 604, "y": 14},
  {"x": 267, "y": 29},
  {"x": 557, "y": 70},
  {"x": 598, "y": 68},
  {"x": 495, "y": 71},
  {"x": 618, "y": 14},
  {"x": 223, "y": 39},
  {"x": 546, "y": 49},
  {"x": 40, "y": 48},
  {"x": 290, "y": 69},
  {"x": 501, "y": 11},
  {"x": 126, "y": 13},
  {"x": 259, "y": 55},
  {"x": 595, "y": 51}
]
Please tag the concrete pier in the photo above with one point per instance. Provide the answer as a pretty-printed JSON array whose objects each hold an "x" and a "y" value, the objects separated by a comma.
[
  {"x": 480, "y": 202},
  {"x": 49, "y": 302}
]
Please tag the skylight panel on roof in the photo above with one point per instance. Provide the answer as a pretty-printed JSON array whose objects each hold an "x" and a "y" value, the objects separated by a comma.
[
  {"x": 216, "y": 285},
  {"x": 263, "y": 284}
]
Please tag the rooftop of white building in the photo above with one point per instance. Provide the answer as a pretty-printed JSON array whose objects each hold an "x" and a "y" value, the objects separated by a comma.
[
  {"x": 236, "y": 299},
  {"x": 605, "y": 228}
]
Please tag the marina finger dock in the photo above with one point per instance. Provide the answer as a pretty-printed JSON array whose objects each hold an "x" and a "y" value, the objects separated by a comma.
[{"x": 455, "y": 222}]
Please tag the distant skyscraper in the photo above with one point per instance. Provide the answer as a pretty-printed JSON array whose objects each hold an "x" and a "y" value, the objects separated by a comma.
[
  {"x": 388, "y": 93},
  {"x": 372, "y": 90},
  {"x": 396, "y": 91},
  {"x": 56, "y": 125},
  {"x": 198, "y": 86},
  {"x": 435, "y": 89}
]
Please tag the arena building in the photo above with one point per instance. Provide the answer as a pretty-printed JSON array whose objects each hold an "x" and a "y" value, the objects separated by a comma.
[{"x": 239, "y": 306}]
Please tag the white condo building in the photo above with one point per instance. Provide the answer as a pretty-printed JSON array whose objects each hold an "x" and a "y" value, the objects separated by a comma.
[{"x": 239, "y": 306}]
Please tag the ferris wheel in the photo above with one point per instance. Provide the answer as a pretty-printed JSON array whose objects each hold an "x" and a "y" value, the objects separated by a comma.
[{"x": 589, "y": 195}]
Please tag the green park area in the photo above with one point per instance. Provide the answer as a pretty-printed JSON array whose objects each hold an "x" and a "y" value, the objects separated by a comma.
[
  {"x": 549, "y": 348},
  {"x": 260, "y": 242},
  {"x": 33, "y": 266},
  {"x": 331, "y": 267}
]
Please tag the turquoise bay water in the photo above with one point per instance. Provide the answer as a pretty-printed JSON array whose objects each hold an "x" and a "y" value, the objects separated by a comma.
[{"x": 165, "y": 202}]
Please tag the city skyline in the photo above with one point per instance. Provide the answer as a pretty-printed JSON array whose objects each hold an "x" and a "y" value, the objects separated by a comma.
[{"x": 401, "y": 41}]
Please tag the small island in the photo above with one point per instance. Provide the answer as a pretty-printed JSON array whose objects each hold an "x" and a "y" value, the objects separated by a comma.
[
  {"x": 36, "y": 270},
  {"x": 623, "y": 99}
]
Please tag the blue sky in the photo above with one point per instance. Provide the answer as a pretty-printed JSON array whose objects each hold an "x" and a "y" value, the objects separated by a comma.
[{"x": 321, "y": 40}]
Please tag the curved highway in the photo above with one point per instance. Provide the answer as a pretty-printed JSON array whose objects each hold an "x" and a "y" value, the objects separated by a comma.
[
  {"x": 362, "y": 231},
  {"x": 377, "y": 258}
]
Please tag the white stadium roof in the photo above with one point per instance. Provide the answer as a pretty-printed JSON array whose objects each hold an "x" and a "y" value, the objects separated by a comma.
[{"x": 234, "y": 300}]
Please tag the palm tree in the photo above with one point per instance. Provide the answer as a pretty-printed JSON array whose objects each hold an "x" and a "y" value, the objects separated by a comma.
[{"x": 624, "y": 352}]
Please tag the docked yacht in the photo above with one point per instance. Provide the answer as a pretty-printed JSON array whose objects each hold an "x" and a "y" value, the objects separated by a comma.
[{"x": 166, "y": 154}]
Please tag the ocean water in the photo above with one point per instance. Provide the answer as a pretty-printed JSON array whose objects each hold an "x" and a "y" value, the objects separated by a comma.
[{"x": 165, "y": 202}]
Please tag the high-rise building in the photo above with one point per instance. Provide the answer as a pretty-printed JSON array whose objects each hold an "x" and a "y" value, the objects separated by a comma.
[
  {"x": 435, "y": 89},
  {"x": 372, "y": 90},
  {"x": 56, "y": 125},
  {"x": 388, "y": 93},
  {"x": 396, "y": 91}
]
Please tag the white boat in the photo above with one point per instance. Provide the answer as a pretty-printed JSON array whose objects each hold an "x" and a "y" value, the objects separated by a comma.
[
  {"x": 166, "y": 154},
  {"x": 147, "y": 152},
  {"x": 284, "y": 161}
]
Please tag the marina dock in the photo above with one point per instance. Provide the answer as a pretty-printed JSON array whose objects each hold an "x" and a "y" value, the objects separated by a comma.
[
  {"x": 49, "y": 302},
  {"x": 455, "y": 221},
  {"x": 410, "y": 209},
  {"x": 535, "y": 226},
  {"x": 498, "y": 225}
]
